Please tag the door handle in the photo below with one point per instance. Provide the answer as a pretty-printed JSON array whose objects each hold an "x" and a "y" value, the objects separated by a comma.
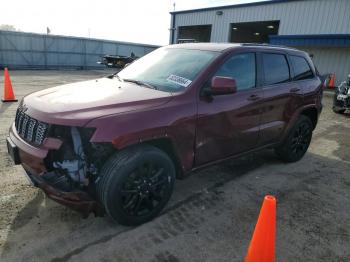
[
  {"x": 253, "y": 97},
  {"x": 294, "y": 90}
]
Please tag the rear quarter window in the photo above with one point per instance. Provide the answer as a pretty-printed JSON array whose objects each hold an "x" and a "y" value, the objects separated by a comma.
[
  {"x": 301, "y": 68},
  {"x": 276, "y": 69}
]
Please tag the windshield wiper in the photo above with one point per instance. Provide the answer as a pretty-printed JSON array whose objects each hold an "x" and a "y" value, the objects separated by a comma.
[
  {"x": 119, "y": 78},
  {"x": 140, "y": 83},
  {"x": 115, "y": 75}
]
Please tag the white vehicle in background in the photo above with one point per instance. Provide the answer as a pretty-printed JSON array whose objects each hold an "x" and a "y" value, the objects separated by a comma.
[{"x": 341, "y": 100}]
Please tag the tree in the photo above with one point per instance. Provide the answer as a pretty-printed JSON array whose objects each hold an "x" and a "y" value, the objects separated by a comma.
[{"x": 8, "y": 27}]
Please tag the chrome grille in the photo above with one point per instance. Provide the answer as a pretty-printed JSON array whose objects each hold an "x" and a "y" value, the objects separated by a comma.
[
  {"x": 29, "y": 128},
  {"x": 22, "y": 131}
]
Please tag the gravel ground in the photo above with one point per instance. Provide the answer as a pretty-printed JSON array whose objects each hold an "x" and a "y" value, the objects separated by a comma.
[{"x": 211, "y": 215}]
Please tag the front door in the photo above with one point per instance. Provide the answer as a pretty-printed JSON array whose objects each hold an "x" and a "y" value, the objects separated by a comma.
[{"x": 229, "y": 124}]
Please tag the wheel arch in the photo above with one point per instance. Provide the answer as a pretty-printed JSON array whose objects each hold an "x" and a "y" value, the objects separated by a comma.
[
  {"x": 312, "y": 113},
  {"x": 165, "y": 144}
]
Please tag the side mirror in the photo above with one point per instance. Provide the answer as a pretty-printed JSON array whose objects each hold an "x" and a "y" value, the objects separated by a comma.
[{"x": 222, "y": 86}]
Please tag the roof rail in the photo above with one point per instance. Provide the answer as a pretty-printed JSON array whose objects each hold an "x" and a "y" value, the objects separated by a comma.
[{"x": 267, "y": 45}]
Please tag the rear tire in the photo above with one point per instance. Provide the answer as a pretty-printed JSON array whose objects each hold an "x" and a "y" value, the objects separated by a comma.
[
  {"x": 136, "y": 184},
  {"x": 338, "y": 111},
  {"x": 297, "y": 142}
]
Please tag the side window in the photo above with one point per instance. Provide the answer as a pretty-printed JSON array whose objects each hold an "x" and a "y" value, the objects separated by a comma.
[
  {"x": 276, "y": 69},
  {"x": 242, "y": 68},
  {"x": 301, "y": 68}
]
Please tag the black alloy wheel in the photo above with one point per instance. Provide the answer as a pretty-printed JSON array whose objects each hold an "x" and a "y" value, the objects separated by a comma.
[
  {"x": 301, "y": 138},
  {"x": 297, "y": 141},
  {"x": 135, "y": 184},
  {"x": 144, "y": 189}
]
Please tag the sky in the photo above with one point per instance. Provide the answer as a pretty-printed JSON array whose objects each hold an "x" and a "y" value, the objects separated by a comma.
[{"x": 140, "y": 21}]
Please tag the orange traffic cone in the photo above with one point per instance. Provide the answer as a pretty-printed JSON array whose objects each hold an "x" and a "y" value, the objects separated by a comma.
[
  {"x": 331, "y": 82},
  {"x": 8, "y": 91},
  {"x": 262, "y": 245}
]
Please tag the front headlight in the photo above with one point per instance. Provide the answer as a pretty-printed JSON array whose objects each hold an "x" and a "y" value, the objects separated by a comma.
[{"x": 59, "y": 131}]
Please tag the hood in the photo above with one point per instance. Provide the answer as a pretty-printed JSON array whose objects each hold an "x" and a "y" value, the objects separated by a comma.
[{"x": 77, "y": 103}]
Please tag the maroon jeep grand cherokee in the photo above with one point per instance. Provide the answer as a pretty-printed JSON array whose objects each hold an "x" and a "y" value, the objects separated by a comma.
[{"x": 116, "y": 144}]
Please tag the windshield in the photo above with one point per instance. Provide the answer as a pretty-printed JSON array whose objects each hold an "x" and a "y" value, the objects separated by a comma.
[{"x": 168, "y": 69}]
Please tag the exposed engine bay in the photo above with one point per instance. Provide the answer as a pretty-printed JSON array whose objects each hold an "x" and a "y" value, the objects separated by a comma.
[{"x": 77, "y": 162}]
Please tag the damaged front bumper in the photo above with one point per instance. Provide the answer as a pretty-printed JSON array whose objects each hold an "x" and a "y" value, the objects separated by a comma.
[
  {"x": 32, "y": 160},
  {"x": 77, "y": 200}
]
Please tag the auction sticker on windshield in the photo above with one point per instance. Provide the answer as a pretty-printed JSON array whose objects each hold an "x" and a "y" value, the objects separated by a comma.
[{"x": 179, "y": 80}]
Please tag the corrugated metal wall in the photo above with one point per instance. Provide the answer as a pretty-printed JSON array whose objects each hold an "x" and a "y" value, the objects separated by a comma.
[
  {"x": 331, "y": 60},
  {"x": 27, "y": 50},
  {"x": 302, "y": 17},
  {"x": 297, "y": 18}
]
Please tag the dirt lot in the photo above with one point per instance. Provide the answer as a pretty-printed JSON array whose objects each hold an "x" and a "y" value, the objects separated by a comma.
[{"x": 211, "y": 215}]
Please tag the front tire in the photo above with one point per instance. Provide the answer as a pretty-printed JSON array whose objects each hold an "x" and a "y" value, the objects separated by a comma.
[
  {"x": 297, "y": 142},
  {"x": 136, "y": 184}
]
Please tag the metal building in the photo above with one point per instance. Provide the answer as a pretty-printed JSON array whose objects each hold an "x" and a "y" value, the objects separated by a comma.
[
  {"x": 28, "y": 50},
  {"x": 320, "y": 27}
]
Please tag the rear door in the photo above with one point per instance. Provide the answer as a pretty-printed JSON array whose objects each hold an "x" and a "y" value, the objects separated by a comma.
[
  {"x": 229, "y": 124},
  {"x": 282, "y": 96},
  {"x": 305, "y": 77}
]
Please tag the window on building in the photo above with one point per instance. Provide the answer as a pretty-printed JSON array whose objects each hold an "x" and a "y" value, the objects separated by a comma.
[
  {"x": 301, "y": 68},
  {"x": 276, "y": 69},
  {"x": 253, "y": 32},
  {"x": 241, "y": 68},
  {"x": 196, "y": 33}
]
